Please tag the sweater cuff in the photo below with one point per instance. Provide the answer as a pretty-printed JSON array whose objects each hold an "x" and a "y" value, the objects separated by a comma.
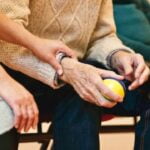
[
  {"x": 57, "y": 81},
  {"x": 109, "y": 57}
]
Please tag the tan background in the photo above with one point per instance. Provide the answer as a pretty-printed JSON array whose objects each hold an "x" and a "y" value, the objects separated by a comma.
[{"x": 114, "y": 141}]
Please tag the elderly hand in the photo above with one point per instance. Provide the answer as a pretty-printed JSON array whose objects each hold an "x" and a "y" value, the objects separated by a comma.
[
  {"x": 47, "y": 50},
  {"x": 87, "y": 82},
  {"x": 132, "y": 66},
  {"x": 20, "y": 100}
]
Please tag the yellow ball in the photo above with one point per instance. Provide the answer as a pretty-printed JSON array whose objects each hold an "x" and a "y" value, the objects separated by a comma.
[{"x": 115, "y": 86}]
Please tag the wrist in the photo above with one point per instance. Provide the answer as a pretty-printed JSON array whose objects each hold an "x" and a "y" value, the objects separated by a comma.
[
  {"x": 33, "y": 43},
  {"x": 68, "y": 65},
  {"x": 68, "y": 62},
  {"x": 115, "y": 56}
]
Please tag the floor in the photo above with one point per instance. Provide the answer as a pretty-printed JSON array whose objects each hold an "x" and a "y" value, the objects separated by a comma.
[{"x": 115, "y": 141}]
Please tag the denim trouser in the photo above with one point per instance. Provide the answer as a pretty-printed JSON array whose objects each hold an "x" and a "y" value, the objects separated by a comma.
[{"x": 76, "y": 123}]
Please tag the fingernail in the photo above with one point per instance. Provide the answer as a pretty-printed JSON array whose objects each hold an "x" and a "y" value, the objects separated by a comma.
[
  {"x": 130, "y": 88},
  {"x": 141, "y": 82},
  {"x": 59, "y": 72}
]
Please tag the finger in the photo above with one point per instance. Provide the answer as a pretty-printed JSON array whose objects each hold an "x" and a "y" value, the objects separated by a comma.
[
  {"x": 144, "y": 76},
  {"x": 139, "y": 69},
  {"x": 30, "y": 118},
  {"x": 55, "y": 64},
  {"x": 89, "y": 94},
  {"x": 68, "y": 51},
  {"x": 99, "y": 99},
  {"x": 83, "y": 94},
  {"x": 23, "y": 118},
  {"x": 105, "y": 102},
  {"x": 17, "y": 113},
  {"x": 110, "y": 74},
  {"x": 134, "y": 85},
  {"x": 108, "y": 93},
  {"x": 36, "y": 118}
]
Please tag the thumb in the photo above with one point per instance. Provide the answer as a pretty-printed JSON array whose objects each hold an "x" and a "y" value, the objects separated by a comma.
[{"x": 55, "y": 64}]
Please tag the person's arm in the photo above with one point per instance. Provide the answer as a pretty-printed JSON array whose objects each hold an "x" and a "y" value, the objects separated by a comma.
[
  {"x": 44, "y": 49},
  {"x": 87, "y": 81},
  {"x": 20, "y": 58},
  {"x": 20, "y": 100},
  {"x": 104, "y": 41},
  {"x": 108, "y": 49}
]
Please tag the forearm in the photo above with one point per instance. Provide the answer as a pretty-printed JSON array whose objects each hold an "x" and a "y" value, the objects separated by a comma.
[
  {"x": 21, "y": 59},
  {"x": 3, "y": 74},
  {"x": 13, "y": 32},
  {"x": 104, "y": 40}
]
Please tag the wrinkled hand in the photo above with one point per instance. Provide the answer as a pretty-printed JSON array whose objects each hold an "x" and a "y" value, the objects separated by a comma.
[
  {"x": 22, "y": 103},
  {"x": 46, "y": 50},
  {"x": 132, "y": 67},
  {"x": 87, "y": 82}
]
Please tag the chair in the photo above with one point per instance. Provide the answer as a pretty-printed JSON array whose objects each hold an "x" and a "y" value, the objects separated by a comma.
[{"x": 45, "y": 138}]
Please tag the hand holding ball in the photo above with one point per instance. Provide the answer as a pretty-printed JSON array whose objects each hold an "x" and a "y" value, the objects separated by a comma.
[{"x": 116, "y": 86}]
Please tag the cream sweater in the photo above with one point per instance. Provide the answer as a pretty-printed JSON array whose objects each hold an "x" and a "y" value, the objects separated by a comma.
[{"x": 86, "y": 26}]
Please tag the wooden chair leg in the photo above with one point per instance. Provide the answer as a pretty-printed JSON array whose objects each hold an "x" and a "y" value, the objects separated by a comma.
[{"x": 45, "y": 144}]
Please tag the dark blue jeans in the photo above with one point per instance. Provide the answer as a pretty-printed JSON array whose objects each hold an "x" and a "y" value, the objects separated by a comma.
[{"x": 76, "y": 123}]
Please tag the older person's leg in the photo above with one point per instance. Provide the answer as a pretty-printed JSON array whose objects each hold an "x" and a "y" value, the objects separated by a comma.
[
  {"x": 76, "y": 124},
  {"x": 136, "y": 103}
]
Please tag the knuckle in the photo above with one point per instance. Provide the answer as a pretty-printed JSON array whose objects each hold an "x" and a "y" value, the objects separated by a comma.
[
  {"x": 31, "y": 116},
  {"x": 110, "y": 105},
  {"x": 18, "y": 100},
  {"x": 87, "y": 97},
  {"x": 139, "y": 56},
  {"x": 28, "y": 96},
  {"x": 24, "y": 116},
  {"x": 18, "y": 115},
  {"x": 36, "y": 113},
  {"x": 105, "y": 93},
  {"x": 103, "y": 104}
]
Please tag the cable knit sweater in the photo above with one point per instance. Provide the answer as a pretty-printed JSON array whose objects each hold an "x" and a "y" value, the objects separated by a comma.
[{"x": 86, "y": 26}]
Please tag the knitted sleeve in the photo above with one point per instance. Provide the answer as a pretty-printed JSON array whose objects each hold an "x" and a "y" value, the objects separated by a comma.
[
  {"x": 104, "y": 41},
  {"x": 17, "y": 57}
]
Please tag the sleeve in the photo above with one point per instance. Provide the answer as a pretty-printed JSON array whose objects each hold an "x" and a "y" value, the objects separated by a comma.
[
  {"x": 104, "y": 41},
  {"x": 20, "y": 58}
]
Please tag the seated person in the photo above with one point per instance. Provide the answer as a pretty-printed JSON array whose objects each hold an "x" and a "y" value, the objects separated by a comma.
[
  {"x": 15, "y": 100},
  {"x": 88, "y": 28},
  {"x": 133, "y": 26}
]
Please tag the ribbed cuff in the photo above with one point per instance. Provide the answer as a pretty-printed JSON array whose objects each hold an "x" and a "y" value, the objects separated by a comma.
[
  {"x": 57, "y": 81},
  {"x": 109, "y": 57}
]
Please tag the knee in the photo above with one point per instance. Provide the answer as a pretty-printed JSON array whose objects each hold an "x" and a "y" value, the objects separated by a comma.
[
  {"x": 6, "y": 116},
  {"x": 76, "y": 113}
]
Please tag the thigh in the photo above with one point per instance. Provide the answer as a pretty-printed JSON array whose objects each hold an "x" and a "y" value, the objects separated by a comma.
[
  {"x": 135, "y": 103},
  {"x": 9, "y": 140},
  {"x": 76, "y": 124},
  {"x": 45, "y": 97}
]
